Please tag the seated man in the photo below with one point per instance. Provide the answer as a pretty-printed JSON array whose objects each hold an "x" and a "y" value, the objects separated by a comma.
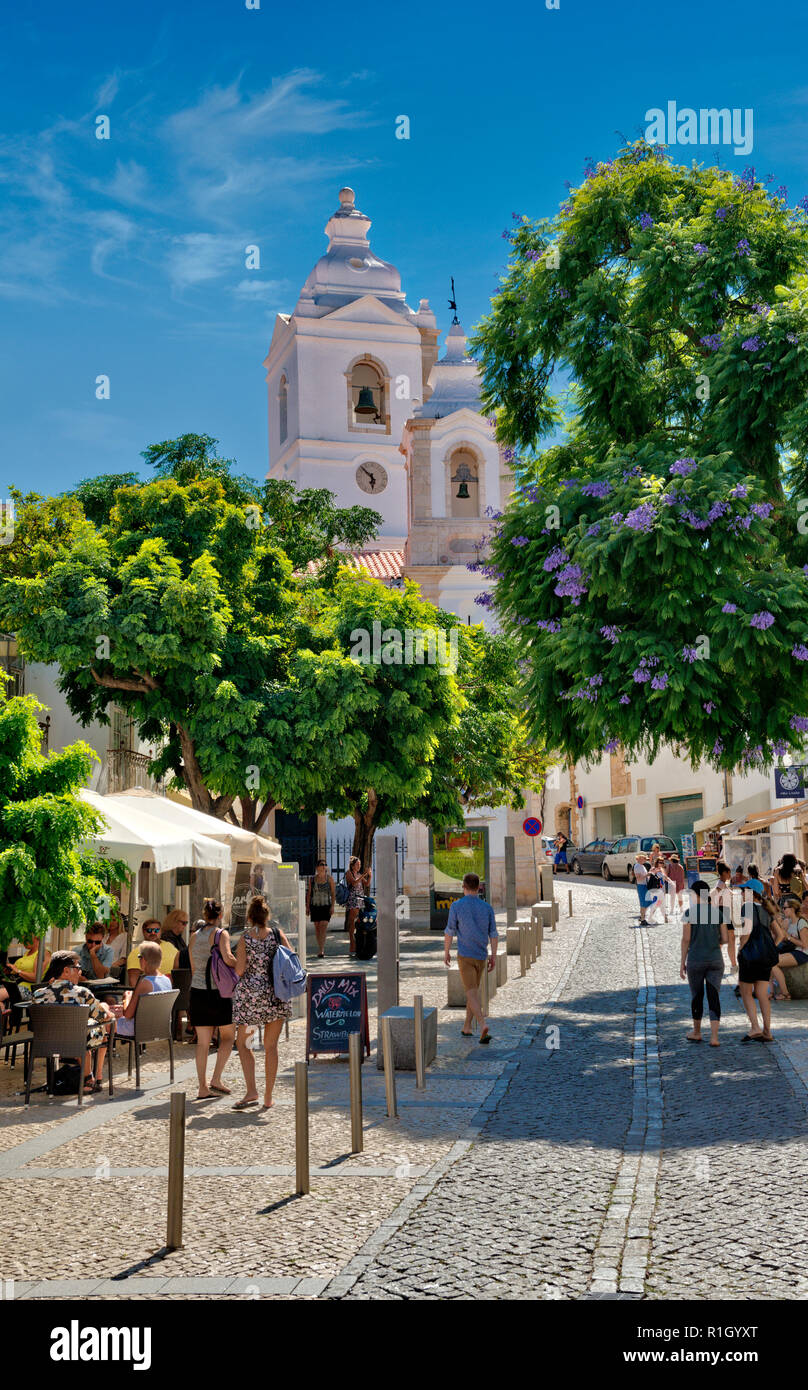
[
  {"x": 151, "y": 932},
  {"x": 60, "y": 985},
  {"x": 116, "y": 942},
  {"x": 95, "y": 959},
  {"x": 152, "y": 981}
]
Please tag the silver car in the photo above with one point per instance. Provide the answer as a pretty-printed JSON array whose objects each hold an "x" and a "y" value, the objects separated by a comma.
[{"x": 619, "y": 862}]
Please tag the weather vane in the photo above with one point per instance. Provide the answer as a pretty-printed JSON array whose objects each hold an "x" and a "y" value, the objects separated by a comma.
[{"x": 453, "y": 303}]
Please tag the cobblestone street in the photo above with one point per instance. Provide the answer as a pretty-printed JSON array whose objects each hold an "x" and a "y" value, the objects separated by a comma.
[{"x": 589, "y": 1152}]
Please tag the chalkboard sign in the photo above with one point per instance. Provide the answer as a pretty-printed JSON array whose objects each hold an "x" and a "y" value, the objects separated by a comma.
[{"x": 337, "y": 1007}]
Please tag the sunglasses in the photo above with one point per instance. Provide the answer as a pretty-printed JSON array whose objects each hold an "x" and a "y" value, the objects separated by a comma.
[
  {"x": 95, "y": 940},
  {"x": 151, "y": 931}
]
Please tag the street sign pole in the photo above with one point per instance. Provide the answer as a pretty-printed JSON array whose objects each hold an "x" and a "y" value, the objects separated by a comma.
[
  {"x": 535, "y": 869},
  {"x": 532, "y": 827}
]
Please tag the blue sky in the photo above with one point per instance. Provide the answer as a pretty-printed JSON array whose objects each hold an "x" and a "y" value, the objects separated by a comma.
[{"x": 232, "y": 126}]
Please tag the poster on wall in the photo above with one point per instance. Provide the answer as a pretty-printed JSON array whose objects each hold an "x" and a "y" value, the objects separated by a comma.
[{"x": 453, "y": 853}]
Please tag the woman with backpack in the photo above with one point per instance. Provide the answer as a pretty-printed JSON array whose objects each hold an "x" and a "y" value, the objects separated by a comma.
[
  {"x": 320, "y": 898},
  {"x": 208, "y": 1009},
  {"x": 255, "y": 1000},
  {"x": 756, "y": 958}
]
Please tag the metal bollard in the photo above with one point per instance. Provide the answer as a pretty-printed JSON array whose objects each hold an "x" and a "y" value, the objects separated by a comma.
[
  {"x": 420, "y": 1053},
  {"x": 539, "y": 934},
  {"x": 522, "y": 949},
  {"x": 355, "y": 1069},
  {"x": 389, "y": 1068},
  {"x": 569, "y": 897},
  {"x": 176, "y": 1170},
  {"x": 533, "y": 947},
  {"x": 302, "y": 1179}
]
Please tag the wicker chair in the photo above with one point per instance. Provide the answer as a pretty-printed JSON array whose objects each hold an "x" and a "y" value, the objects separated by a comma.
[
  {"x": 59, "y": 1030},
  {"x": 152, "y": 1023}
]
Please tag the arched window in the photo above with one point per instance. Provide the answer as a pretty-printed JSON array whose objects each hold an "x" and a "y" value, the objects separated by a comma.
[
  {"x": 367, "y": 395},
  {"x": 464, "y": 484},
  {"x": 283, "y": 409}
]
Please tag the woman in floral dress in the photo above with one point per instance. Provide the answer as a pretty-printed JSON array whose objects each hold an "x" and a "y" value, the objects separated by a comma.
[{"x": 255, "y": 1000}]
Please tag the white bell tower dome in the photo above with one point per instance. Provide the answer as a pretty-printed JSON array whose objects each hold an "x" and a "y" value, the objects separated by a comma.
[{"x": 346, "y": 370}]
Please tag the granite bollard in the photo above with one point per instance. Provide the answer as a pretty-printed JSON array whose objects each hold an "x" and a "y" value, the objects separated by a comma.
[{"x": 402, "y": 1033}]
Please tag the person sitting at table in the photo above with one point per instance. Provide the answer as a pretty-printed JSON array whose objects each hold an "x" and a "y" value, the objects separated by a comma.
[
  {"x": 150, "y": 982},
  {"x": 61, "y": 985},
  {"x": 173, "y": 931},
  {"x": 116, "y": 942},
  {"x": 151, "y": 932},
  {"x": 95, "y": 958},
  {"x": 22, "y": 974}
]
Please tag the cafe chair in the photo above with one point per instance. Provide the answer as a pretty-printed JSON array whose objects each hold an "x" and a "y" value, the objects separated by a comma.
[
  {"x": 59, "y": 1030},
  {"x": 152, "y": 1024}
]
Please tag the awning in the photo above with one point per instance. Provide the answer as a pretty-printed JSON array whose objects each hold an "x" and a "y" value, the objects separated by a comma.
[
  {"x": 245, "y": 846},
  {"x": 759, "y": 822},
  {"x": 136, "y": 837},
  {"x": 734, "y": 812}
]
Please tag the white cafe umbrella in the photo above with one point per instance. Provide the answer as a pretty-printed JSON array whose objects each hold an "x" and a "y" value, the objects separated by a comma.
[
  {"x": 134, "y": 836},
  {"x": 246, "y": 846}
]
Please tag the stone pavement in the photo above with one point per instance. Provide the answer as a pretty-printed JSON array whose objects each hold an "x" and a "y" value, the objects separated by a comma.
[{"x": 589, "y": 1152}]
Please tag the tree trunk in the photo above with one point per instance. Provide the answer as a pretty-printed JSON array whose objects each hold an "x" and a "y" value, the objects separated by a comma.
[
  {"x": 202, "y": 799},
  {"x": 253, "y": 818},
  {"x": 366, "y": 824}
]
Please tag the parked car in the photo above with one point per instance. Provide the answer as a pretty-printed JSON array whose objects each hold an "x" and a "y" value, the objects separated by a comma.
[
  {"x": 619, "y": 862},
  {"x": 589, "y": 860},
  {"x": 547, "y": 845}
]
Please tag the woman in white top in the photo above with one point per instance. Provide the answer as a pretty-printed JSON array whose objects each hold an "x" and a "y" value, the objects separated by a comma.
[{"x": 640, "y": 878}]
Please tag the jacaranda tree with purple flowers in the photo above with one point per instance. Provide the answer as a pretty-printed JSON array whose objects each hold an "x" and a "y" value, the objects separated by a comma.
[{"x": 651, "y": 565}]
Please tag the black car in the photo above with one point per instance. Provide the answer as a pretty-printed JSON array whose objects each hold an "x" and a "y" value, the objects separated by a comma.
[{"x": 589, "y": 860}]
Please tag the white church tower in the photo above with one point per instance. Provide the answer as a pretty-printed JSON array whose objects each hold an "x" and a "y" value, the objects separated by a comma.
[{"x": 345, "y": 372}]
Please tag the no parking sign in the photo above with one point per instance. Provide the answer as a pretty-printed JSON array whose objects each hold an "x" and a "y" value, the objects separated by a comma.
[{"x": 532, "y": 826}]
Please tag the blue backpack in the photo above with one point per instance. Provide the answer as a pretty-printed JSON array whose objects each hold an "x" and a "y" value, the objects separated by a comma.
[
  {"x": 288, "y": 975},
  {"x": 341, "y": 892}
]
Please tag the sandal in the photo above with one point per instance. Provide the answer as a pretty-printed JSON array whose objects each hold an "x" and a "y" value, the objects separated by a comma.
[
  {"x": 752, "y": 1037},
  {"x": 220, "y": 1090},
  {"x": 485, "y": 1037},
  {"x": 244, "y": 1104},
  {"x": 464, "y": 1034}
]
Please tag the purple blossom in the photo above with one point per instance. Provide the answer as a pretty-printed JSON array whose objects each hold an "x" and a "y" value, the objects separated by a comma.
[
  {"x": 641, "y": 518},
  {"x": 625, "y": 699},
  {"x": 596, "y": 680},
  {"x": 803, "y": 203},
  {"x": 646, "y": 221},
  {"x": 763, "y": 309},
  {"x": 641, "y": 674},
  {"x": 484, "y": 600},
  {"x": 571, "y": 583},
  {"x": 761, "y": 620},
  {"x": 712, "y": 341},
  {"x": 753, "y": 344},
  {"x": 718, "y": 748},
  {"x": 520, "y": 540},
  {"x": 597, "y": 489},
  {"x": 556, "y": 557},
  {"x": 730, "y": 608},
  {"x": 717, "y": 509},
  {"x": 682, "y": 467},
  {"x": 708, "y": 706},
  {"x": 798, "y": 723},
  {"x": 697, "y": 523},
  {"x": 762, "y": 510},
  {"x": 616, "y": 518},
  {"x": 611, "y": 746},
  {"x": 721, "y": 213},
  {"x": 611, "y": 634},
  {"x": 742, "y": 247},
  {"x": 781, "y": 192},
  {"x": 700, "y": 248},
  {"x": 549, "y": 624},
  {"x": 594, "y": 529},
  {"x": 659, "y": 682},
  {"x": 800, "y": 652},
  {"x": 668, "y": 499},
  {"x": 689, "y": 654},
  {"x": 740, "y": 491},
  {"x": 792, "y": 338}
]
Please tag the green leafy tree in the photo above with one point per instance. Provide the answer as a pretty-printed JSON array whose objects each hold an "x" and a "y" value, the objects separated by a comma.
[
  {"x": 47, "y": 877},
  {"x": 182, "y": 609},
  {"x": 651, "y": 565},
  {"x": 443, "y": 734}
]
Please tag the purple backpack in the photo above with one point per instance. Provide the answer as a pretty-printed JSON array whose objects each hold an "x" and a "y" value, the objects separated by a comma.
[{"x": 224, "y": 976}]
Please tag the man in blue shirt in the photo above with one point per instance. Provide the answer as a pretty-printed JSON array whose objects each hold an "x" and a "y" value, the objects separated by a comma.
[
  {"x": 95, "y": 958},
  {"x": 472, "y": 921}
]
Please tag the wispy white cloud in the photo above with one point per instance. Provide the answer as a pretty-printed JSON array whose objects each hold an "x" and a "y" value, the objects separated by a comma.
[{"x": 262, "y": 289}]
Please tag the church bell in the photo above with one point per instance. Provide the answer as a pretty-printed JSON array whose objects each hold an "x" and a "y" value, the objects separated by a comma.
[
  {"x": 365, "y": 406},
  {"x": 463, "y": 476},
  {"x": 463, "y": 490}
]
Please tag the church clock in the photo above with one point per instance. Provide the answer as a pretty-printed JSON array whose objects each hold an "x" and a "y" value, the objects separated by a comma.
[{"x": 372, "y": 478}]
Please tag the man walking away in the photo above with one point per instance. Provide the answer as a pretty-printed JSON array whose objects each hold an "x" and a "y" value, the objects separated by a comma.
[{"x": 472, "y": 921}]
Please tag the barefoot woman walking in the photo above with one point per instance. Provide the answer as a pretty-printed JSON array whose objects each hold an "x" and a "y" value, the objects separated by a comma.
[
  {"x": 208, "y": 1010},
  {"x": 703, "y": 935}
]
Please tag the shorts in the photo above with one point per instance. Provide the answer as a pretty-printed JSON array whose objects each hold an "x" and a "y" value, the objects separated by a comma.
[
  {"x": 207, "y": 1009},
  {"x": 320, "y": 914},
  {"x": 800, "y": 956},
  {"x": 561, "y": 857},
  {"x": 471, "y": 971},
  {"x": 752, "y": 974}
]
